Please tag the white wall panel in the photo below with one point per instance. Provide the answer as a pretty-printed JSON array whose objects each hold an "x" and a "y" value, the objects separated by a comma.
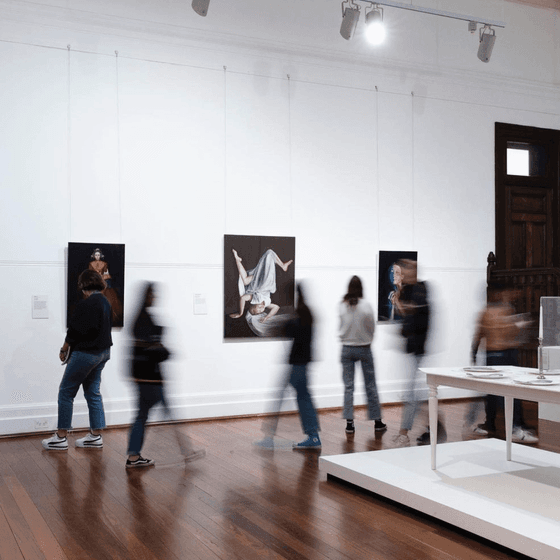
[
  {"x": 396, "y": 187},
  {"x": 259, "y": 197},
  {"x": 172, "y": 162},
  {"x": 34, "y": 205},
  {"x": 95, "y": 197},
  {"x": 334, "y": 175}
]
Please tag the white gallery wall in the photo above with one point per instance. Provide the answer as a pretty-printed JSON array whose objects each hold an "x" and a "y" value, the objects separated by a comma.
[{"x": 139, "y": 122}]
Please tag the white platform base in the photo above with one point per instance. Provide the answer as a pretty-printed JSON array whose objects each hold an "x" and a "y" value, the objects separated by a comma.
[{"x": 515, "y": 504}]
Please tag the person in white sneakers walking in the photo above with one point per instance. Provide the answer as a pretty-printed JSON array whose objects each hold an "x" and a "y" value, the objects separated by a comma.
[{"x": 86, "y": 350}]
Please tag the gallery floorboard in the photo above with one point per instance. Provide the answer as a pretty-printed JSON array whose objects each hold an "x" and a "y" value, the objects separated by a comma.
[
  {"x": 240, "y": 502},
  {"x": 513, "y": 503}
]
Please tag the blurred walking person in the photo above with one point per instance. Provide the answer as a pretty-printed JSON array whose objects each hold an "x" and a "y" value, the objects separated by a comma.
[
  {"x": 414, "y": 307},
  {"x": 499, "y": 327},
  {"x": 357, "y": 325},
  {"x": 300, "y": 330},
  {"x": 86, "y": 350},
  {"x": 148, "y": 353}
]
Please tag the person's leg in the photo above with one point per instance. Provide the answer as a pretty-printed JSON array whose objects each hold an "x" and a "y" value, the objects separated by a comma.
[
  {"x": 270, "y": 425},
  {"x": 410, "y": 397},
  {"x": 348, "y": 369},
  {"x": 366, "y": 359},
  {"x": 92, "y": 394},
  {"x": 79, "y": 367},
  {"x": 149, "y": 394},
  {"x": 307, "y": 413},
  {"x": 241, "y": 269},
  {"x": 282, "y": 265}
]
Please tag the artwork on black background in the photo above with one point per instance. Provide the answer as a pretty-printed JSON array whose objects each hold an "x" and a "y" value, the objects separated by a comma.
[
  {"x": 390, "y": 283},
  {"x": 258, "y": 285},
  {"x": 108, "y": 260}
]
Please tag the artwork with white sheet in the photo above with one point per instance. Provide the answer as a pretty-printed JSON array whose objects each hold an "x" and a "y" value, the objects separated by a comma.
[{"x": 258, "y": 285}]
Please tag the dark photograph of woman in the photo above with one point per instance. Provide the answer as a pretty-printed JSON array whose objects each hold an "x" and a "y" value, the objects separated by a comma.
[
  {"x": 390, "y": 284},
  {"x": 108, "y": 261},
  {"x": 258, "y": 285}
]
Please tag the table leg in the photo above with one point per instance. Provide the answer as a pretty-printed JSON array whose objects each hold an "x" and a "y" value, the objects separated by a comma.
[
  {"x": 508, "y": 413},
  {"x": 433, "y": 411}
]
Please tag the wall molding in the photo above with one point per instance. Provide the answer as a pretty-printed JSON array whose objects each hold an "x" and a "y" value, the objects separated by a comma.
[{"x": 42, "y": 418}]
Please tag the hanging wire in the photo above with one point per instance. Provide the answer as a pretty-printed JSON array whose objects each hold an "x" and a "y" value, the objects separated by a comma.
[
  {"x": 290, "y": 150},
  {"x": 119, "y": 145},
  {"x": 69, "y": 145},
  {"x": 225, "y": 150}
]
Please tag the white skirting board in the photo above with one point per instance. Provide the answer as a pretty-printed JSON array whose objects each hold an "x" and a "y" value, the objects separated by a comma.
[{"x": 513, "y": 503}]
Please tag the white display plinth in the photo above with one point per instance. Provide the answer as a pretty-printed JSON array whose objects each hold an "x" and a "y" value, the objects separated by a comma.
[{"x": 512, "y": 503}]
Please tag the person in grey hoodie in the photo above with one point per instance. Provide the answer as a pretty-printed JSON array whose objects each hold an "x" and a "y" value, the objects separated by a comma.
[{"x": 357, "y": 324}]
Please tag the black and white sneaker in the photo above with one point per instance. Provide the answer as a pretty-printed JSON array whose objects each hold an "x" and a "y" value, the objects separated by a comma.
[
  {"x": 56, "y": 443},
  {"x": 140, "y": 462},
  {"x": 350, "y": 429},
  {"x": 90, "y": 441}
]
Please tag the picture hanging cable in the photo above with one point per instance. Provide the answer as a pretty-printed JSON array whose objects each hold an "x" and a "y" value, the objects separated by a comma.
[{"x": 118, "y": 144}]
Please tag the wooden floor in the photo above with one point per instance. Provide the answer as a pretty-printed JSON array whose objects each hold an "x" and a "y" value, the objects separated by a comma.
[{"x": 239, "y": 502}]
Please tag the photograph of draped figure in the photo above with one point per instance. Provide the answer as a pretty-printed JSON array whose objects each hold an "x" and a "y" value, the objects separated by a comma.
[
  {"x": 258, "y": 285},
  {"x": 107, "y": 259},
  {"x": 391, "y": 284}
]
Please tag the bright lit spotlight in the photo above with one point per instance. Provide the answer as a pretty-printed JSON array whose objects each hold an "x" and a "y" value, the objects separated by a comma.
[{"x": 375, "y": 30}]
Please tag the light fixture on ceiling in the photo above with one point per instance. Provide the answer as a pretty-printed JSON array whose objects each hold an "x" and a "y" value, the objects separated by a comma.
[
  {"x": 486, "y": 44},
  {"x": 200, "y": 7},
  {"x": 375, "y": 30},
  {"x": 350, "y": 17}
]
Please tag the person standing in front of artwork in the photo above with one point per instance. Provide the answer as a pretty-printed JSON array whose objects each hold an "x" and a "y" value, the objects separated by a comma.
[
  {"x": 357, "y": 325},
  {"x": 86, "y": 350},
  {"x": 414, "y": 307}
]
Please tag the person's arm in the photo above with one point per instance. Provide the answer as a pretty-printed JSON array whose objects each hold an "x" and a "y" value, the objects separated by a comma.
[
  {"x": 242, "y": 300},
  {"x": 272, "y": 310}
]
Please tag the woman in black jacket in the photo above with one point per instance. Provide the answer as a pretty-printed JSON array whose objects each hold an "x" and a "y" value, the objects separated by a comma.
[{"x": 86, "y": 350}]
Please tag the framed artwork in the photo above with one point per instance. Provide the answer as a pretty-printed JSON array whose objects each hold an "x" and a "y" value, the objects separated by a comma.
[
  {"x": 108, "y": 260},
  {"x": 390, "y": 283},
  {"x": 259, "y": 285}
]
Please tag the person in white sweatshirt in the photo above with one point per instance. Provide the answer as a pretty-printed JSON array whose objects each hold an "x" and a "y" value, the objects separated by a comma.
[{"x": 357, "y": 324}]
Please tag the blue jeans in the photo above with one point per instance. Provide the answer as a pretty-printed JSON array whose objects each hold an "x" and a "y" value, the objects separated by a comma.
[
  {"x": 149, "y": 394},
  {"x": 351, "y": 355},
  {"x": 297, "y": 378},
  {"x": 83, "y": 369},
  {"x": 411, "y": 398}
]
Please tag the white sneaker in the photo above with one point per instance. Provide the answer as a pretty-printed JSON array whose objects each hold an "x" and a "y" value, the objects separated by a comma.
[
  {"x": 90, "y": 441},
  {"x": 401, "y": 441},
  {"x": 56, "y": 443},
  {"x": 520, "y": 435}
]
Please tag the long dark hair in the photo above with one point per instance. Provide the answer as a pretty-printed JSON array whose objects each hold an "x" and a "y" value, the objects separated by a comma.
[
  {"x": 302, "y": 311},
  {"x": 147, "y": 291},
  {"x": 355, "y": 291}
]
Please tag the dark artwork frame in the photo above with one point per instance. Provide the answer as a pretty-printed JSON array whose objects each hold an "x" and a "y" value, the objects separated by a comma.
[
  {"x": 251, "y": 248},
  {"x": 80, "y": 255},
  {"x": 386, "y": 261}
]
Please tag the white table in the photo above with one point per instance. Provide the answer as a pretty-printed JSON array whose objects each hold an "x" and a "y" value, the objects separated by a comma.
[{"x": 506, "y": 387}]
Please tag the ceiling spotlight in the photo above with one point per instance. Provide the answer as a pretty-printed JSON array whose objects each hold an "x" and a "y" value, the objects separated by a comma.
[
  {"x": 487, "y": 40},
  {"x": 350, "y": 16},
  {"x": 200, "y": 7},
  {"x": 375, "y": 30}
]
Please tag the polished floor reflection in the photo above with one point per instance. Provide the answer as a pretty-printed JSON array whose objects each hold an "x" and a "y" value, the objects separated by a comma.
[{"x": 239, "y": 502}]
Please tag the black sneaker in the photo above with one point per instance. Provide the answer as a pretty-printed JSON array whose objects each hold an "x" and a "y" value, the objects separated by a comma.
[
  {"x": 350, "y": 429},
  {"x": 380, "y": 426},
  {"x": 424, "y": 439},
  {"x": 140, "y": 462}
]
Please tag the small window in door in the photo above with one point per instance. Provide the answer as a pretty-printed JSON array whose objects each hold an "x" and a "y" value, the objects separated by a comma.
[{"x": 526, "y": 160}]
